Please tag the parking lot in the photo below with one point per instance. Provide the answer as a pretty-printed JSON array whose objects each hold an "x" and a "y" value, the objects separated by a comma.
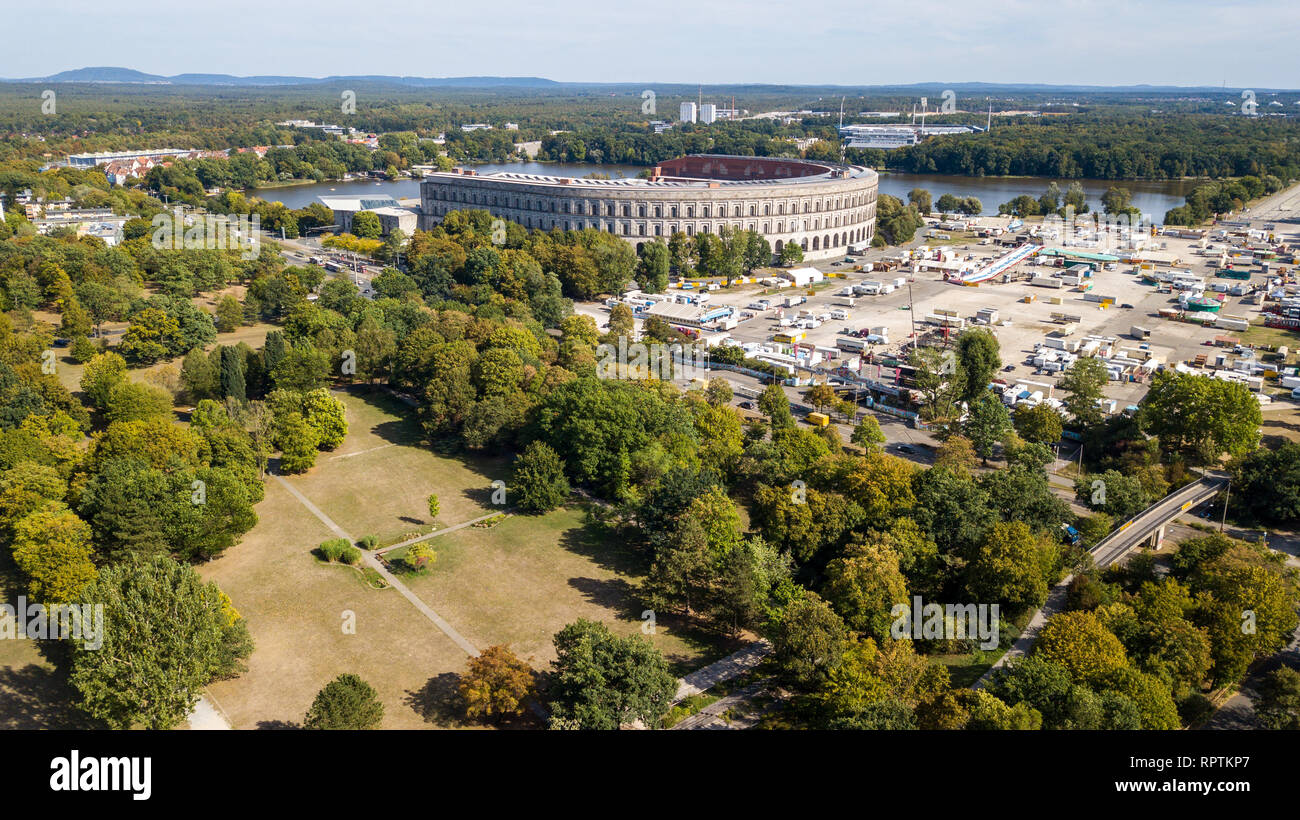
[{"x": 1020, "y": 325}]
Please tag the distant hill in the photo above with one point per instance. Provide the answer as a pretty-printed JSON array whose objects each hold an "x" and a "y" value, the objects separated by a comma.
[{"x": 112, "y": 74}]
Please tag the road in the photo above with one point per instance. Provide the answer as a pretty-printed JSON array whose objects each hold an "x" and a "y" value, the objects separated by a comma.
[
  {"x": 1114, "y": 546},
  {"x": 1107, "y": 551}
]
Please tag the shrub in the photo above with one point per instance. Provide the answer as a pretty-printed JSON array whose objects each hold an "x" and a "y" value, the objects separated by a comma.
[
  {"x": 350, "y": 555},
  {"x": 369, "y": 542},
  {"x": 333, "y": 549}
]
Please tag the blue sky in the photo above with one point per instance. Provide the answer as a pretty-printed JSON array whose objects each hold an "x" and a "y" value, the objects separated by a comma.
[{"x": 848, "y": 42}]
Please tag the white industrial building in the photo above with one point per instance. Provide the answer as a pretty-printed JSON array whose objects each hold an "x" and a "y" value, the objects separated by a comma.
[
  {"x": 804, "y": 276},
  {"x": 687, "y": 112}
]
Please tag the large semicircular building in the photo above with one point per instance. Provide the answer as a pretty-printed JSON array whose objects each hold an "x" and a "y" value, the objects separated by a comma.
[{"x": 824, "y": 207}]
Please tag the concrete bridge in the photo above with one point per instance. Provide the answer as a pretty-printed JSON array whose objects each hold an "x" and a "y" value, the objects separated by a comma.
[{"x": 1148, "y": 526}]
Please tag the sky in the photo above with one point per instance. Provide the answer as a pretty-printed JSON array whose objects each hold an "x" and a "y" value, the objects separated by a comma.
[{"x": 841, "y": 42}]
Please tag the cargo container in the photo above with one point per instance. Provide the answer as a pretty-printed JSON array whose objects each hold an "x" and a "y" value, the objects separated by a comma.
[
  {"x": 1045, "y": 282},
  {"x": 1139, "y": 332}
]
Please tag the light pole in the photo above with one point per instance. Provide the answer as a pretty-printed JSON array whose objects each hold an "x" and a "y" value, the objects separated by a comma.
[
  {"x": 911, "y": 307},
  {"x": 1227, "y": 494}
]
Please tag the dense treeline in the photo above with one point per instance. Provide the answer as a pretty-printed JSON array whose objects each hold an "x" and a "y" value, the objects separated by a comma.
[{"x": 1110, "y": 146}]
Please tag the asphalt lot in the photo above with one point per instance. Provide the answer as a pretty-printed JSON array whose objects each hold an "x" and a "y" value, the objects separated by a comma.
[{"x": 1022, "y": 325}]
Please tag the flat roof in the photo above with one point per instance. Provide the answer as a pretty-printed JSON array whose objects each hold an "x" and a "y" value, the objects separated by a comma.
[
  {"x": 358, "y": 203},
  {"x": 832, "y": 172}
]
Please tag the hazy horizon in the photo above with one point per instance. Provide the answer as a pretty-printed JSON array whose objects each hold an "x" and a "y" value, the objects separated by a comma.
[{"x": 830, "y": 42}]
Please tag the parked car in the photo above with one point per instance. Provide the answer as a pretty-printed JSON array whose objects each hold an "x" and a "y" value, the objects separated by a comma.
[{"x": 746, "y": 405}]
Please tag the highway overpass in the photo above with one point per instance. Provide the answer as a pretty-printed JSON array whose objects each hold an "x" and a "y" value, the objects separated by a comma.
[{"x": 1149, "y": 525}]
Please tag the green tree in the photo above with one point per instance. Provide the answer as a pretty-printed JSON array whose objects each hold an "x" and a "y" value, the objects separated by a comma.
[
  {"x": 232, "y": 374},
  {"x": 539, "y": 483},
  {"x": 1266, "y": 485},
  {"x": 1038, "y": 423},
  {"x": 1278, "y": 703},
  {"x": 52, "y": 548},
  {"x": 168, "y": 634},
  {"x": 100, "y": 376},
  {"x": 1079, "y": 642},
  {"x": 987, "y": 423},
  {"x": 808, "y": 639},
  {"x": 867, "y": 434},
  {"x": 920, "y": 198},
  {"x": 652, "y": 268},
  {"x": 434, "y": 507},
  {"x": 1082, "y": 383},
  {"x": 1201, "y": 415},
  {"x": 863, "y": 585},
  {"x": 1008, "y": 567},
  {"x": 297, "y": 441},
  {"x": 791, "y": 254},
  {"x": 774, "y": 404},
  {"x": 327, "y": 416},
  {"x": 602, "y": 681},
  {"x": 134, "y": 401},
  {"x": 365, "y": 224},
  {"x": 978, "y": 356},
  {"x": 230, "y": 314}
]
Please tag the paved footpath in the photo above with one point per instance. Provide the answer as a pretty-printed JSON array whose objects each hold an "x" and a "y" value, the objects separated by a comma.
[
  {"x": 206, "y": 716},
  {"x": 372, "y": 561},
  {"x": 729, "y": 667},
  {"x": 417, "y": 539},
  {"x": 1055, "y": 603}
]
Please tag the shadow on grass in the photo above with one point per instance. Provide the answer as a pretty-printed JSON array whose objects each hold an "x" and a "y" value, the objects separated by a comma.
[
  {"x": 614, "y": 594},
  {"x": 438, "y": 702},
  {"x": 594, "y": 541},
  {"x": 278, "y": 724},
  {"x": 33, "y": 697}
]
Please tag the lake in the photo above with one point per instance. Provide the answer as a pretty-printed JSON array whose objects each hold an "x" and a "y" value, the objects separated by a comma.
[{"x": 1153, "y": 198}]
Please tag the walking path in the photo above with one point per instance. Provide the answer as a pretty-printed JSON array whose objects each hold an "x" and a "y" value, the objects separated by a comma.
[
  {"x": 206, "y": 717},
  {"x": 436, "y": 533},
  {"x": 711, "y": 716},
  {"x": 1025, "y": 641},
  {"x": 734, "y": 665},
  {"x": 371, "y": 560}
]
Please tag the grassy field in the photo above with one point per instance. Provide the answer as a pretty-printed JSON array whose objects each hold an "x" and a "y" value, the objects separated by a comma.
[
  {"x": 296, "y": 609},
  {"x": 520, "y": 581},
  {"x": 517, "y": 583},
  {"x": 1258, "y": 334},
  {"x": 379, "y": 480}
]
